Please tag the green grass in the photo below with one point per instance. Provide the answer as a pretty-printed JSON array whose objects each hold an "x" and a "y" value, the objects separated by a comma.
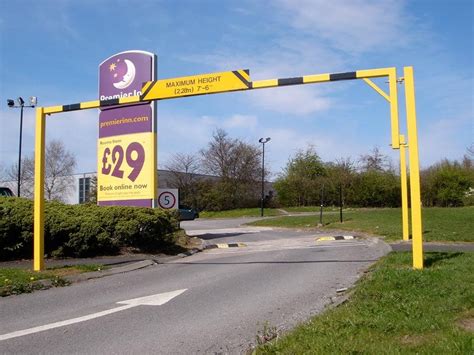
[
  {"x": 439, "y": 224},
  {"x": 16, "y": 281},
  {"x": 242, "y": 212},
  {"x": 395, "y": 310}
]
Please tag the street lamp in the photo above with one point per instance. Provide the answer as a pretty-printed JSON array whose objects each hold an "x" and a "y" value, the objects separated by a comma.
[
  {"x": 263, "y": 141},
  {"x": 21, "y": 104}
]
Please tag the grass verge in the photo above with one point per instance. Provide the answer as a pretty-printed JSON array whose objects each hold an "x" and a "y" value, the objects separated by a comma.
[
  {"x": 395, "y": 310},
  {"x": 312, "y": 209},
  {"x": 439, "y": 224},
  {"x": 241, "y": 212},
  {"x": 15, "y": 281}
]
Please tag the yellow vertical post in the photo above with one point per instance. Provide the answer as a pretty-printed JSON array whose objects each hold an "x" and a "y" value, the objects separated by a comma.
[
  {"x": 38, "y": 253},
  {"x": 416, "y": 225},
  {"x": 403, "y": 178},
  {"x": 392, "y": 83}
]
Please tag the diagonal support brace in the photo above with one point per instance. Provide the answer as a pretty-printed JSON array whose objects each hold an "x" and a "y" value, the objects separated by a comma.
[{"x": 376, "y": 88}]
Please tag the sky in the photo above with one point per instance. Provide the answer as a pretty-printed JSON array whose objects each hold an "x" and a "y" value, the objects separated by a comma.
[{"x": 52, "y": 48}]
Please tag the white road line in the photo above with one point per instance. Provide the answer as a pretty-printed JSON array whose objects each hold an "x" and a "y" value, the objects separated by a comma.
[{"x": 153, "y": 300}]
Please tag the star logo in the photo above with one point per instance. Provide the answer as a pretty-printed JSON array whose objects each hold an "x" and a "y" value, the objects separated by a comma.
[{"x": 112, "y": 67}]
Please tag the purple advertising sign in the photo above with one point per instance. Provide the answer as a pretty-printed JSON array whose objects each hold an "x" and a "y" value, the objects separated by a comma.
[
  {"x": 123, "y": 75},
  {"x": 126, "y": 153},
  {"x": 125, "y": 120}
]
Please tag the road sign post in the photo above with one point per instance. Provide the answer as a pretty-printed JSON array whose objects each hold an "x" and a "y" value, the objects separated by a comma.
[{"x": 168, "y": 199}]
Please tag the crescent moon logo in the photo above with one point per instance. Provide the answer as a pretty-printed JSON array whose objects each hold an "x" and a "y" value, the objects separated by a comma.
[{"x": 128, "y": 77}]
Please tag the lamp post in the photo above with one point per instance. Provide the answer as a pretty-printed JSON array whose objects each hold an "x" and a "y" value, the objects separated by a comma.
[
  {"x": 263, "y": 141},
  {"x": 21, "y": 104}
]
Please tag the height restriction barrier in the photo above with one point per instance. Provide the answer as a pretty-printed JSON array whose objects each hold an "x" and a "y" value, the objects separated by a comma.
[{"x": 239, "y": 80}]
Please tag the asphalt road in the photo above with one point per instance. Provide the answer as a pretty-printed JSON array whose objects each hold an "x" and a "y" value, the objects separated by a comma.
[{"x": 223, "y": 297}]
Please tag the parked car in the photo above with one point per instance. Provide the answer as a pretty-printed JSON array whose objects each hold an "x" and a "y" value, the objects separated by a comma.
[
  {"x": 5, "y": 191},
  {"x": 187, "y": 213}
]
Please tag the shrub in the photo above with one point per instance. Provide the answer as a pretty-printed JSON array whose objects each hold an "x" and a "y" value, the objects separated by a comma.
[{"x": 83, "y": 230}]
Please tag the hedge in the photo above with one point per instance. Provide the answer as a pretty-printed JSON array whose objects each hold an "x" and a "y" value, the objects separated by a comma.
[{"x": 83, "y": 230}]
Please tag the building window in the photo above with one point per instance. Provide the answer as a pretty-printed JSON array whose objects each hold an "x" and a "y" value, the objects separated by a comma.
[{"x": 84, "y": 189}]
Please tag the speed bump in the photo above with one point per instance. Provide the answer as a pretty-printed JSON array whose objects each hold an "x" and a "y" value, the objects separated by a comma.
[
  {"x": 336, "y": 237},
  {"x": 225, "y": 245}
]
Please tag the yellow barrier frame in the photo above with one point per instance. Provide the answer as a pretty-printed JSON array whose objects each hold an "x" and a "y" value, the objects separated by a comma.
[{"x": 398, "y": 142}]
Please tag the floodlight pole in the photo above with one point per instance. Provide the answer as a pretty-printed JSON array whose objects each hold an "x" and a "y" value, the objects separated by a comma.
[
  {"x": 21, "y": 105},
  {"x": 19, "y": 151}
]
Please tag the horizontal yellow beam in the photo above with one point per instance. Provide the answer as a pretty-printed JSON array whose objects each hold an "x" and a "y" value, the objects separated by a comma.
[
  {"x": 130, "y": 99},
  {"x": 319, "y": 78},
  {"x": 260, "y": 84},
  {"x": 245, "y": 77},
  {"x": 374, "y": 73},
  {"x": 52, "y": 109},
  {"x": 90, "y": 104}
]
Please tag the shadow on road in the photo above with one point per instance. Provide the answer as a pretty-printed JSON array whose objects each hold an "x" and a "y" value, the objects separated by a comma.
[
  {"x": 273, "y": 262},
  {"x": 210, "y": 236}
]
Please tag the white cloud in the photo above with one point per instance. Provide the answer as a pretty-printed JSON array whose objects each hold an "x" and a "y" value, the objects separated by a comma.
[
  {"x": 296, "y": 100},
  {"x": 178, "y": 132},
  {"x": 241, "y": 121},
  {"x": 352, "y": 26},
  {"x": 77, "y": 130},
  {"x": 445, "y": 138}
]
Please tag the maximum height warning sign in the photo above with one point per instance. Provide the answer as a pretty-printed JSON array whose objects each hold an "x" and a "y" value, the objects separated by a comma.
[
  {"x": 168, "y": 199},
  {"x": 196, "y": 85}
]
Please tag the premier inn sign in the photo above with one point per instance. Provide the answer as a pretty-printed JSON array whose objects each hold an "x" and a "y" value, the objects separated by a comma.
[{"x": 126, "y": 148}]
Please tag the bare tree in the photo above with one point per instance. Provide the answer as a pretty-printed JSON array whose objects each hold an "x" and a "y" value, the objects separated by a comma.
[
  {"x": 238, "y": 166},
  {"x": 3, "y": 174},
  {"x": 26, "y": 177},
  {"x": 375, "y": 161},
  {"x": 217, "y": 158},
  {"x": 470, "y": 150},
  {"x": 59, "y": 167},
  {"x": 231, "y": 158},
  {"x": 184, "y": 169}
]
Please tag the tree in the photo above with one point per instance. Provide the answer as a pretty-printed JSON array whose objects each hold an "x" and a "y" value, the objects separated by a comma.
[
  {"x": 447, "y": 183},
  {"x": 26, "y": 177},
  {"x": 184, "y": 169},
  {"x": 59, "y": 167},
  {"x": 237, "y": 164},
  {"x": 374, "y": 188},
  {"x": 341, "y": 174},
  {"x": 375, "y": 160},
  {"x": 302, "y": 179},
  {"x": 3, "y": 173}
]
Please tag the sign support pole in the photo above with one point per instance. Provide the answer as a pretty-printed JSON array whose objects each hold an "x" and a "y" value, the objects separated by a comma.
[
  {"x": 38, "y": 262},
  {"x": 416, "y": 226}
]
